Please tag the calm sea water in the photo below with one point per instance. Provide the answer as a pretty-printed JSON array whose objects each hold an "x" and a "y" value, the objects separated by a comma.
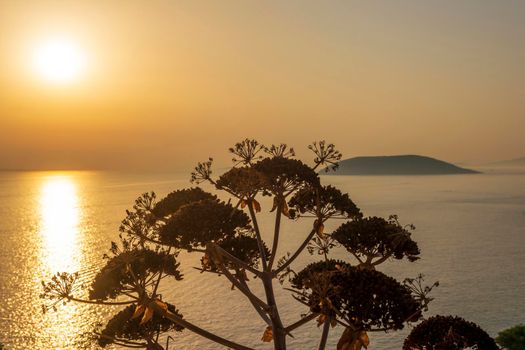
[{"x": 471, "y": 230}]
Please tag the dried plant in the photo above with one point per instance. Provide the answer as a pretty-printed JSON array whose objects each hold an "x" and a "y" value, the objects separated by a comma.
[{"x": 352, "y": 293}]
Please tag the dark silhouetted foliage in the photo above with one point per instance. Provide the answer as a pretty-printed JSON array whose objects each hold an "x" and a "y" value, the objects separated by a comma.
[
  {"x": 242, "y": 182},
  {"x": 374, "y": 237},
  {"x": 245, "y": 152},
  {"x": 230, "y": 243},
  {"x": 365, "y": 299},
  {"x": 125, "y": 268},
  {"x": 176, "y": 199},
  {"x": 285, "y": 174},
  {"x": 307, "y": 276},
  {"x": 448, "y": 333},
  {"x": 123, "y": 327},
  {"x": 243, "y": 247},
  {"x": 197, "y": 223},
  {"x": 326, "y": 201},
  {"x": 325, "y": 154}
]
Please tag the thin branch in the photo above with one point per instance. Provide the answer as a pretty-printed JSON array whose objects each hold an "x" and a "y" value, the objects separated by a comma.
[
  {"x": 260, "y": 243},
  {"x": 324, "y": 336},
  {"x": 334, "y": 309},
  {"x": 102, "y": 302},
  {"x": 236, "y": 282},
  {"x": 208, "y": 271},
  {"x": 151, "y": 278},
  {"x": 381, "y": 260},
  {"x": 236, "y": 260},
  {"x": 160, "y": 274},
  {"x": 257, "y": 307},
  {"x": 198, "y": 250},
  {"x": 276, "y": 233},
  {"x": 149, "y": 239},
  {"x": 122, "y": 342},
  {"x": 296, "y": 254},
  {"x": 137, "y": 282},
  {"x": 345, "y": 324},
  {"x": 325, "y": 216},
  {"x": 387, "y": 329},
  {"x": 130, "y": 295},
  {"x": 195, "y": 329},
  {"x": 356, "y": 256},
  {"x": 301, "y": 322}
]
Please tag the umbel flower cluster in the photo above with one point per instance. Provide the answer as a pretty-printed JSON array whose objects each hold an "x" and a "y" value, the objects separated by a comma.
[{"x": 352, "y": 294}]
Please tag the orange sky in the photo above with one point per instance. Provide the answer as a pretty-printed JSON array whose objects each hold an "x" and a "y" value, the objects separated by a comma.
[{"x": 169, "y": 83}]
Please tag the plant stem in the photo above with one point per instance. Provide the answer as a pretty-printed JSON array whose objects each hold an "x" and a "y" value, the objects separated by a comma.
[
  {"x": 260, "y": 243},
  {"x": 260, "y": 310},
  {"x": 301, "y": 322},
  {"x": 236, "y": 283},
  {"x": 160, "y": 275},
  {"x": 102, "y": 302},
  {"x": 279, "y": 333},
  {"x": 195, "y": 329},
  {"x": 276, "y": 233},
  {"x": 324, "y": 336},
  {"x": 297, "y": 253},
  {"x": 236, "y": 260}
]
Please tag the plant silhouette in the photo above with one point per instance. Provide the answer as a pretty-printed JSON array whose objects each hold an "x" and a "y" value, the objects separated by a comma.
[{"x": 351, "y": 294}]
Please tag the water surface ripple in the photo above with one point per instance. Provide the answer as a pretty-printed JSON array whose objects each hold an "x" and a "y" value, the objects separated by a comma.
[{"x": 470, "y": 229}]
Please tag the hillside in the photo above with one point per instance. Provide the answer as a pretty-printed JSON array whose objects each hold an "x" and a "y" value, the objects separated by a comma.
[{"x": 398, "y": 165}]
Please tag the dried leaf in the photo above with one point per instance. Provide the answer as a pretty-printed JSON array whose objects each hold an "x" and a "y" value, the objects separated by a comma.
[
  {"x": 274, "y": 206},
  {"x": 345, "y": 340},
  {"x": 243, "y": 204},
  {"x": 256, "y": 206},
  {"x": 363, "y": 338},
  {"x": 205, "y": 262},
  {"x": 351, "y": 340},
  {"x": 320, "y": 230},
  {"x": 321, "y": 319},
  {"x": 148, "y": 314},
  {"x": 285, "y": 210},
  {"x": 138, "y": 311},
  {"x": 267, "y": 335},
  {"x": 162, "y": 305}
]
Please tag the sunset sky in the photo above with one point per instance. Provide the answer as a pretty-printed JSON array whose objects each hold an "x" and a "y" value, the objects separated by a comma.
[{"x": 164, "y": 84}]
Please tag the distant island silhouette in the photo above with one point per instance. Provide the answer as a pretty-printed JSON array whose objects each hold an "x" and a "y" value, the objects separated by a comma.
[
  {"x": 511, "y": 162},
  {"x": 398, "y": 165}
]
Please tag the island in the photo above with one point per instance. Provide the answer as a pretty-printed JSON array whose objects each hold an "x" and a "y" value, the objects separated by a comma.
[
  {"x": 513, "y": 162},
  {"x": 397, "y": 165}
]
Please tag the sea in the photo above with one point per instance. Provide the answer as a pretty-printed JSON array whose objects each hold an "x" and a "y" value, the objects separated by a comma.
[{"x": 470, "y": 229}]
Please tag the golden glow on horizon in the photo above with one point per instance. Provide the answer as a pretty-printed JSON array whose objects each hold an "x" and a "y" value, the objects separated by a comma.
[
  {"x": 60, "y": 216},
  {"x": 59, "y": 61},
  {"x": 83, "y": 85}
]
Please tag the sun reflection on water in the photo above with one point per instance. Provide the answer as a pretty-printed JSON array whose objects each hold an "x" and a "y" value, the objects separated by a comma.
[{"x": 60, "y": 215}]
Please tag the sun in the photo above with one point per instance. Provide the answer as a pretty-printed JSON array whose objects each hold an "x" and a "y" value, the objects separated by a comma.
[{"x": 59, "y": 61}]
